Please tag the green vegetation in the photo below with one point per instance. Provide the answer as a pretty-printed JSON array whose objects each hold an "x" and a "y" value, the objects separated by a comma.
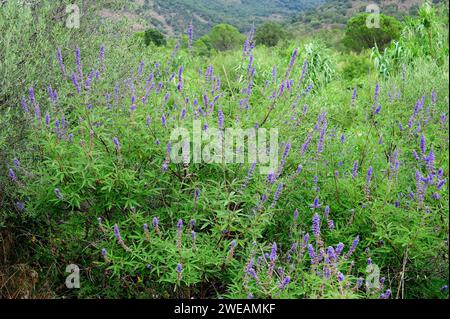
[
  {"x": 359, "y": 36},
  {"x": 88, "y": 177},
  {"x": 175, "y": 15},
  {"x": 270, "y": 33},
  {"x": 337, "y": 12},
  {"x": 225, "y": 37},
  {"x": 154, "y": 36}
]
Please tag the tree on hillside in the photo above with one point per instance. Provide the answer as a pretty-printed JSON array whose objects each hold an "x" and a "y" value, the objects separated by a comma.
[
  {"x": 269, "y": 34},
  {"x": 202, "y": 46},
  {"x": 154, "y": 36},
  {"x": 225, "y": 37},
  {"x": 358, "y": 36}
]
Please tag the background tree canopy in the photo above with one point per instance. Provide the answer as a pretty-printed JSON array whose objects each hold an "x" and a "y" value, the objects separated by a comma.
[
  {"x": 270, "y": 33},
  {"x": 225, "y": 37},
  {"x": 358, "y": 36}
]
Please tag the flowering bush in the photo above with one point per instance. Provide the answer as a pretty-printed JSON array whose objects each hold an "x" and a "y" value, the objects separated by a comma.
[{"x": 360, "y": 185}]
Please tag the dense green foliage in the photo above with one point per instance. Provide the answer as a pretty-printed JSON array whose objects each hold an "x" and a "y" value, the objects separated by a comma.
[
  {"x": 224, "y": 37},
  {"x": 270, "y": 33},
  {"x": 360, "y": 36},
  {"x": 421, "y": 37},
  {"x": 154, "y": 36},
  {"x": 87, "y": 177},
  {"x": 336, "y": 12}
]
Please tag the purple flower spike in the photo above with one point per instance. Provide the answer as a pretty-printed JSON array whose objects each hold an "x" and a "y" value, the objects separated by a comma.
[
  {"x": 78, "y": 62},
  {"x": 273, "y": 253},
  {"x": 331, "y": 253},
  {"x": 378, "y": 109},
  {"x": 316, "y": 226},
  {"x": 249, "y": 175},
  {"x": 196, "y": 195},
  {"x": 331, "y": 224},
  {"x": 12, "y": 175},
  {"x": 220, "y": 119},
  {"x": 37, "y": 110},
  {"x": 252, "y": 273},
  {"x": 304, "y": 70},
  {"x": 116, "y": 143},
  {"x": 102, "y": 53},
  {"x": 89, "y": 79},
  {"x": 75, "y": 83},
  {"x": 271, "y": 177},
  {"x": 165, "y": 166},
  {"x": 369, "y": 175},
  {"x": 263, "y": 198},
  {"x": 354, "y": 94},
  {"x": 306, "y": 144},
  {"x": 117, "y": 233},
  {"x": 327, "y": 212},
  {"x": 285, "y": 282},
  {"x": 277, "y": 194},
  {"x": 190, "y": 33},
  {"x": 305, "y": 240},
  {"x": 359, "y": 282},
  {"x": 312, "y": 254},
  {"x": 386, "y": 295},
  {"x": 419, "y": 188},
  {"x": 355, "y": 169},
  {"x": 353, "y": 247},
  {"x": 376, "y": 93},
  {"x": 32, "y": 95},
  {"x": 430, "y": 161},
  {"x": 47, "y": 119},
  {"x": 316, "y": 203},
  {"x": 60, "y": 61},
  {"x": 433, "y": 96},
  {"x": 422, "y": 144},
  {"x": 58, "y": 194},
  {"x": 339, "y": 249},
  {"x": 327, "y": 271},
  {"x": 24, "y": 105},
  {"x": 291, "y": 63},
  {"x": 20, "y": 206}
]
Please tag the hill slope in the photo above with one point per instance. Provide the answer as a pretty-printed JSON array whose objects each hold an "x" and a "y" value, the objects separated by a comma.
[
  {"x": 335, "y": 13},
  {"x": 173, "y": 16}
]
